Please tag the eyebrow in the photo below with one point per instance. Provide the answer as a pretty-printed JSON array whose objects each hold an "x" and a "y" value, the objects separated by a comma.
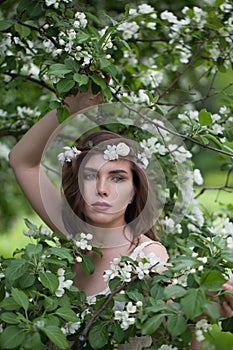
[{"x": 117, "y": 171}]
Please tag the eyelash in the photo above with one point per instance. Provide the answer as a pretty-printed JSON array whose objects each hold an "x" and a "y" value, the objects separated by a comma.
[{"x": 90, "y": 177}]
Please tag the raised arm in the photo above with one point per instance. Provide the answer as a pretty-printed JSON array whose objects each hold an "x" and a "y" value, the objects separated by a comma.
[{"x": 25, "y": 159}]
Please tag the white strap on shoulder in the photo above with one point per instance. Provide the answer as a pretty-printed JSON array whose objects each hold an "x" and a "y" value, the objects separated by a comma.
[{"x": 139, "y": 248}]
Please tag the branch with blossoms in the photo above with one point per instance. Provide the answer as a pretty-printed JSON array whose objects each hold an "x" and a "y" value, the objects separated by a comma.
[
  {"x": 128, "y": 271},
  {"x": 170, "y": 131}
]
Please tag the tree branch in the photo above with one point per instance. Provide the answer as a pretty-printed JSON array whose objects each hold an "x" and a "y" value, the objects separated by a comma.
[
  {"x": 184, "y": 71},
  {"x": 173, "y": 132},
  {"x": 28, "y": 77}
]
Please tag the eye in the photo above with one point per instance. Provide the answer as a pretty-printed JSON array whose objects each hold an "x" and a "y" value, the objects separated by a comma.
[
  {"x": 118, "y": 179},
  {"x": 89, "y": 176}
]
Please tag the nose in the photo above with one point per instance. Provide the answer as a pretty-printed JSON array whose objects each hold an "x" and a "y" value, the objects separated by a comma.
[{"x": 102, "y": 187}]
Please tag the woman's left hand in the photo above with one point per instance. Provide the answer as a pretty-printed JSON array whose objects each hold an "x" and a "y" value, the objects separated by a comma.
[{"x": 227, "y": 306}]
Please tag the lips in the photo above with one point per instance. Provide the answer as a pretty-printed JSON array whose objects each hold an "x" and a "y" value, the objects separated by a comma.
[{"x": 101, "y": 206}]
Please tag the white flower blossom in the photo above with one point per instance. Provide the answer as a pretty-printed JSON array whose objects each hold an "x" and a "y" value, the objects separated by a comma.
[
  {"x": 129, "y": 30},
  {"x": 132, "y": 12},
  {"x": 70, "y": 328},
  {"x": 124, "y": 318},
  {"x": 230, "y": 243},
  {"x": 113, "y": 152},
  {"x": 91, "y": 300},
  {"x": 181, "y": 280},
  {"x": 78, "y": 259},
  {"x": 4, "y": 151},
  {"x": 169, "y": 16},
  {"x": 145, "y": 9},
  {"x": 45, "y": 231},
  {"x": 63, "y": 284},
  {"x": 81, "y": 21},
  {"x": 198, "y": 179},
  {"x": 202, "y": 326},
  {"x": 130, "y": 308},
  {"x": 69, "y": 154},
  {"x": 180, "y": 154},
  {"x": 167, "y": 347}
]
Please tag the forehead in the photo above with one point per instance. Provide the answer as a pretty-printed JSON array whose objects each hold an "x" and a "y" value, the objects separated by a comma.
[{"x": 98, "y": 162}]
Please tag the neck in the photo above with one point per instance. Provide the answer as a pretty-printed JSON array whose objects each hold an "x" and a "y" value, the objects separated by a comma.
[{"x": 111, "y": 237}]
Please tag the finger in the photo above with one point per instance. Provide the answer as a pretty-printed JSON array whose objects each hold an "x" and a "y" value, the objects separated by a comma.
[
  {"x": 229, "y": 298},
  {"x": 226, "y": 310}
]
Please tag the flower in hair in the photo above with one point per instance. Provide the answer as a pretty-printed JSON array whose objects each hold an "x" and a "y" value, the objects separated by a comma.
[
  {"x": 69, "y": 154},
  {"x": 113, "y": 152}
]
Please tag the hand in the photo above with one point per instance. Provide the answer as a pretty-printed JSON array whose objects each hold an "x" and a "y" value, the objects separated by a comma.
[
  {"x": 227, "y": 306},
  {"x": 84, "y": 99}
]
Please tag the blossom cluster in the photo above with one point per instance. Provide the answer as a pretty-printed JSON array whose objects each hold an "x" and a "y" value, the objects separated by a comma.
[
  {"x": 202, "y": 327},
  {"x": 126, "y": 317},
  {"x": 83, "y": 243},
  {"x": 68, "y": 155},
  {"x": 125, "y": 270},
  {"x": 70, "y": 327},
  {"x": 113, "y": 152},
  {"x": 56, "y": 3},
  {"x": 33, "y": 232},
  {"x": 63, "y": 283}
]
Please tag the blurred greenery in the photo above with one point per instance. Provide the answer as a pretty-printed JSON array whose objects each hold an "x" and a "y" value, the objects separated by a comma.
[{"x": 13, "y": 205}]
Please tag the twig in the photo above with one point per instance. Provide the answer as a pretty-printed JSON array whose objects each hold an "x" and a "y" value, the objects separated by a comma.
[
  {"x": 175, "y": 133},
  {"x": 184, "y": 71},
  {"x": 82, "y": 337},
  {"x": 28, "y": 77}
]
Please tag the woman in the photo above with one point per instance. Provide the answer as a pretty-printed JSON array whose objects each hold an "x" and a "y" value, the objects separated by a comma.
[{"x": 100, "y": 194}]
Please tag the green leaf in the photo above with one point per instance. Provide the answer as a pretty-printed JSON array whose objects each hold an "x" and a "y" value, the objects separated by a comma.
[
  {"x": 67, "y": 314},
  {"x": 98, "y": 335},
  {"x": 22, "y": 30},
  {"x": 9, "y": 317},
  {"x": 174, "y": 291},
  {"x": 12, "y": 337},
  {"x": 16, "y": 269},
  {"x": 62, "y": 253},
  {"x": 30, "y": 225},
  {"x": 212, "y": 280},
  {"x": 9, "y": 304},
  {"x": 118, "y": 332},
  {"x": 99, "y": 81},
  {"x": 56, "y": 336},
  {"x": 135, "y": 295},
  {"x": 4, "y": 25},
  {"x": 49, "y": 280},
  {"x": 34, "y": 250},
  {"x": 87, "y": 264},
  {"x": 193, "y": 303},
  {"x": 204, "y": 117},
  {"x": 33, "y": 342},
  {"x": 81, "y": 79},
  {"x": 59, "y": 69},
  {"x": 157, "y": 291},
  {"x": 72, "y": 64},
  {"x": 62, "y": 114},
  {"x": 176, "y": 324},
  {"x": 20, "y": 297},
  {"x": 212, "y": 311},
  {"x": 65, "y": 85},
  {"x": 82, "y": 37},
  {"x": 152, "y": 324}
]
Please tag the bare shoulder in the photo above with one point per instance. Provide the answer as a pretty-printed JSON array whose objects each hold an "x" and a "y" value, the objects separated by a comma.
[{"x": 154, "y": 247}]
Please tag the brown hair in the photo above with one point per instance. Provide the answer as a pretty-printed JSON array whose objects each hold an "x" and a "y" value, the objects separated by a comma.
[{"x": 139, "y": 214}]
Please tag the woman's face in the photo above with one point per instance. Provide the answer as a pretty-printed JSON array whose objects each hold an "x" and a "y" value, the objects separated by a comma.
[{"x": 107, "y": 190}]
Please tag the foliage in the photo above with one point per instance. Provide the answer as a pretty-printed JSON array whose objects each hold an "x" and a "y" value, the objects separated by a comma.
[
  {"x": 40, "y": 305},
  {"x": 167, "y": 60}
]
